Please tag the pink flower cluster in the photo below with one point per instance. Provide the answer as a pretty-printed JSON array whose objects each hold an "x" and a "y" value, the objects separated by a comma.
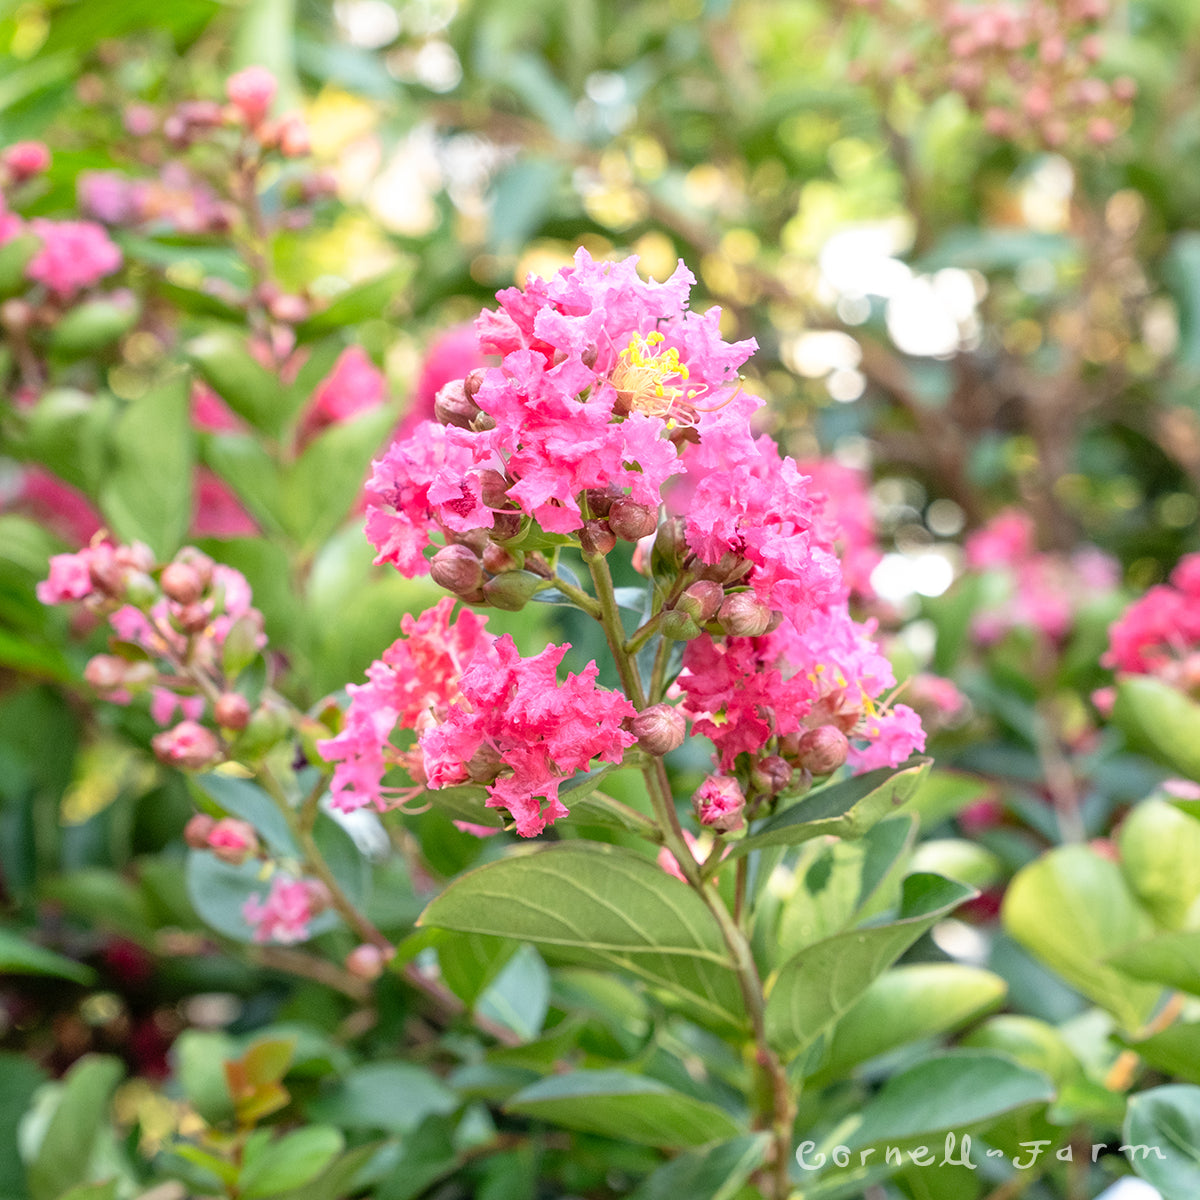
[
  {"x": 1159, "y": 634},
  {"x": 171, "y": 628},
  {"x": 608, "y": 388},
  {"x": 73, "y": 255},
  {"x": 482, "y": 714},
  {"x": 284, "y": 914},
  {"x": 1030, "y": 589}
]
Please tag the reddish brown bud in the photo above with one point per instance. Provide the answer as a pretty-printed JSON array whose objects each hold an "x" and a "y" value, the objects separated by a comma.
[
  {"x": 771, "y": 775},
  {"x": 181, "y": 582},
  {"x": 744, "y": 615},
  {"x": 822, "y": 750},
  {"x": 457, "y": 569},
  {"x": 630, "y": 520},
  {"x": 497, "y": 560},
  {"x": 701, "y": 600},
  {"x": 599, "y": 501},
  {"x": 505, "y": 525},
  {"x": 232, "y": 711},
  {"x": 589, "y": 356},
  {"x": 189, "y": 555},
  {"x": 659, "y": 729},
  {"x": 473, "y": 382},
  {"x": 493, "y": 487},
  {"x": 196, "y": 831},
  {"x": 193, "y": 618},
  {"x": 484, "y": 765},
  {"x": 233, "y": 841},
  {"x": 596, "y": 538},
  {"x": 729, "y": 568},
  {"x": 452, "y": 405}
]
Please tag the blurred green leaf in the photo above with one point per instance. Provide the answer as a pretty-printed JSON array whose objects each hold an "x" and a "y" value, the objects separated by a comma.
[
  {"x": 224, "y": 360},
  {"x": 359, "y": 302},
  {"x": 717, "y": 1174},
  {"x": 1162, "y": 1136},
  {"x": 1160, "y": 856},
  {"x": 1172, "y": 959},
  {"x": 19, "y": 1080},
  {"x": 245, "y": 799},
  {"x": 391, "y": 1096},
  {"x": 1174, "y": 1050},
  {"x": 1161, "y": 721},
  {"x": 19, "y": 957},
  {"x": 519, "y": 996},
  {"x": 290, "y": 1162},
  {"x": 621, "y": 1105},
  {"x": 1073, "y": 909},
  {"x": 146, "y": 494}
]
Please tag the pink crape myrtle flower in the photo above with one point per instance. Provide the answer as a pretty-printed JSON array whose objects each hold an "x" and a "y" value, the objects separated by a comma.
[
  {"x": 599, "y": 370},
  {"x": 73, "y": 255},
  {"x": 844, "y": 520},
  {"x": 284, "y": 914},
  {"x": 26, "y": 159},
  {"x": 54, "y": 503},
  {"x": 216, "y": 510},
  {"x": 414, "y": 683},
  {"x": 529, "y": 731},
  {"x": 233, "y": 841},
  {"x": 1159, "y": 632}
]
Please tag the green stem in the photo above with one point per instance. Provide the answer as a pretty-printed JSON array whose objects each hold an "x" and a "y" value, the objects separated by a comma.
[
  {"x": 609, "y": 616},
  {"x": 639, "y": 637},
  {"x": 578, "y": 596}
]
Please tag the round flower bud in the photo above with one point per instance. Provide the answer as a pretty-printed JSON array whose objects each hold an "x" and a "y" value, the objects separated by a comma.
[
  {"x": 822, "y": 750},
  {"x": 701, "y": 600},
  {"x": 452, "y": 405},
  {"x": 678, "y": 626},
  {"x": 512, "y": 591},
  {"x": 105, "y": 672},
  {"x": 498, "y": 559},
  {"x": 26, "y": 159},
  {"x": 457, "y": 569},
  {"x": 251, "y": 92},
  {"x": 744, "y": 615},
  {"x": 366, "y": 962},
  {"x": 771, "y": 775},
  {"x": 196, "y": 831},
  {"x": 473, "y": 382},
  {"x": 193, "y": 618},
  {"x": 596, "y": 539},
  {"x": 659, "y": 729},
  {"x": 718, "y": 803},
  {"x": 232, "y": 711},
  {"x": 506, "y": 525},
  {"x": 138, "y": 589},
  {"x": 630, "y": 520},
  {"x": 233, "y": 841},
  {"x": 493, "y": 487},
  {"x": 319, "y": 898},
  {"x": 181, "y": 582},
  {"x": 196, "y": 559},
  {"x": 600, "y": 501},
  {"x": 729, "y": 568},
  {"x": 293, "y": 136},
  {"x": 670, "y": 547},
  {"x": 189, "y": 745}
]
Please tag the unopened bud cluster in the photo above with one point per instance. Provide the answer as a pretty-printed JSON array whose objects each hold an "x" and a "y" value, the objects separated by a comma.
[
  {"x": 1027, "y": 68},
  {"x": 180, "y": 637}
]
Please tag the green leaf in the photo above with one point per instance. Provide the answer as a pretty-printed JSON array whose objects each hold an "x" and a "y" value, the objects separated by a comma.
[
  {"x": 19, "y": 1080},
  {"x": 392, "y": 1096},
  {"x": 628, "y": 1107},
  {"x": 361, "y": 302},
  {"x": 19, "y": 957},
  {"x": 465, "y": 803},
  {"x": 522, "y": 195},
  {"x": 92, "y": 1191},
  {"x": 1162, "y": 1139},
  {"x": 227, "y": 366},
  {"x": 951, "y": 1091},
  {"x": 1181, "y": 273},
  {"x": 1027, "y": 1040},
  {"x": 290, "y": 1162},
  {"x": 520, "y": 995},
  {"x": 605, "y": 904},
  {"x": 470, "y": 961},
  {"x": 200, "y": 1056},
  {"x": 1160, "y": 857},
  {"x": 1072, "y": 909},
  {"x": 823, "y": 981},
  {"x": 944, "y": 794},
  {"x": 63, "y": 1158},
  {"x": 1160, "y": 721},
  {"x": 15, "y": 256},
  {"x": 146, "y": 494},
  {"x": 68, "y": 431},
  {"x": 103, "y": 899},
  {"x": 91, "y": 326},
  {"x": 718, "y": 1174},
  {"x": 244, "y": 799},
  {"x": 1175, "y": 1050},
  {"x": 958, "y": 858},
  {"x": 319, "y": 489},
  {"x": 251, "y": 472},
  {"x": 835, "y": 883},
  {"x": 846, "y": 809},
  {"x": 1172, "y": 959},
  {"x": 904, "y": 1005}
]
